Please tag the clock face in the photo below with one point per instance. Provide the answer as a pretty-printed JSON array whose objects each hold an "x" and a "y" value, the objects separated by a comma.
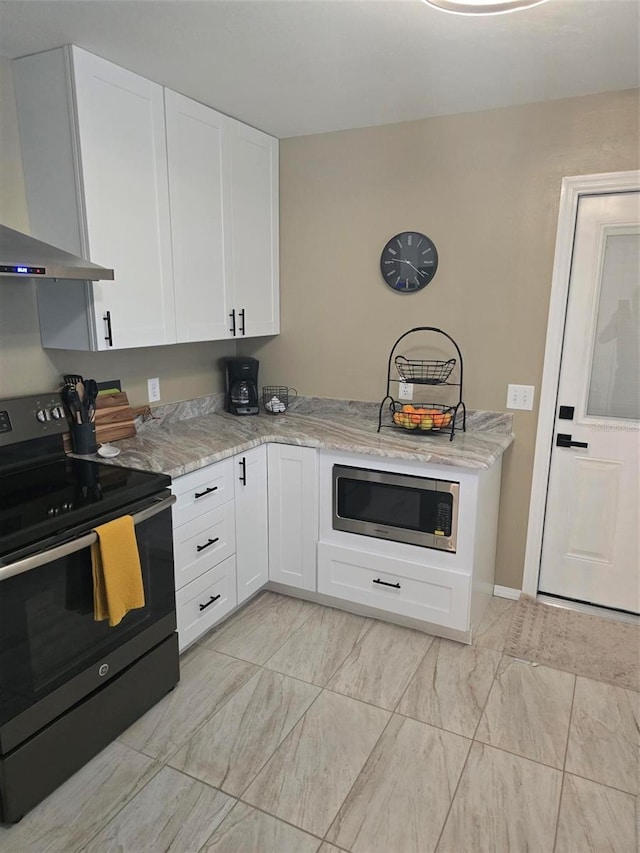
[{"x": 408, "y": 262}]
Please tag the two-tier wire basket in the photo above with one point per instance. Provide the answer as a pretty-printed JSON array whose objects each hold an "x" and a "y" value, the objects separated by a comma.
[{"x": 423, "y": 417}]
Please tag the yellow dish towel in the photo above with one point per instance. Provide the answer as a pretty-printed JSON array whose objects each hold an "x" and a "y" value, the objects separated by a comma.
[{"x": 117, "y": 575}]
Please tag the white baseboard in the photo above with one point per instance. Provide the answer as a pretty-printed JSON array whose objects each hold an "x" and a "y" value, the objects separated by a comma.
[{"x": 506, "y": 592}]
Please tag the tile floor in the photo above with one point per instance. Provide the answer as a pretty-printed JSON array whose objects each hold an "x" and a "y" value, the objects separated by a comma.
[{"x": 298, "y": 728}]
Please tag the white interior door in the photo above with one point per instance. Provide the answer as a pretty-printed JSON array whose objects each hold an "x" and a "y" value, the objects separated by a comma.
[{"x": 590, "y": 548}]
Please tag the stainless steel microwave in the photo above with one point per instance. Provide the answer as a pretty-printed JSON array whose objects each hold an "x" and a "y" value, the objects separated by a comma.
[{"x": 401, "y": 507}]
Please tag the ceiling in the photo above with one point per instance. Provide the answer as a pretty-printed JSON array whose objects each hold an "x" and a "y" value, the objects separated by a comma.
[{"x": 294, "y": 67}]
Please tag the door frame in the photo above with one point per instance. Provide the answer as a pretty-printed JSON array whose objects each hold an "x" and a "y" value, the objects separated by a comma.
[{"x": 572, "y": 189}]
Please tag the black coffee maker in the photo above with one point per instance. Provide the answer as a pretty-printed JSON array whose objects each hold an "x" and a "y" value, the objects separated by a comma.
[{"x": 241, "y": 386}]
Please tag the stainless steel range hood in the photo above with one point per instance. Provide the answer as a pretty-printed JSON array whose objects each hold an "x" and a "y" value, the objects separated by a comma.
[{"x": 22, "y": 256}]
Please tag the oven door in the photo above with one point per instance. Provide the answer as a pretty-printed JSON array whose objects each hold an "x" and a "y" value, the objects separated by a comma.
[{"x": 52, "y": 652}]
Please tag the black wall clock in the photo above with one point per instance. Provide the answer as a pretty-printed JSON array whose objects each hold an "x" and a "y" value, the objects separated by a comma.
[{"x": 408, "y": 262}]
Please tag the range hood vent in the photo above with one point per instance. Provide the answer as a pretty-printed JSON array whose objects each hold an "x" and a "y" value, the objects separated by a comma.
[{"x": 22, "y": 256}]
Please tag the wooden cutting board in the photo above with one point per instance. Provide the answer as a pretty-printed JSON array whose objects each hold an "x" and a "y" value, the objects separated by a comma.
[{"x": 114, "y": 419}]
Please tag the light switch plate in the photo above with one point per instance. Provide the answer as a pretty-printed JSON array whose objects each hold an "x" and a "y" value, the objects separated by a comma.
[{"x": 520, "y": 397}]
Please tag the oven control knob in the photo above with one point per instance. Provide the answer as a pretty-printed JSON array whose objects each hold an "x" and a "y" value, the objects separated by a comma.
[
  {"x": 43, "y": 415},
  {"x": 57, "y": 413}
]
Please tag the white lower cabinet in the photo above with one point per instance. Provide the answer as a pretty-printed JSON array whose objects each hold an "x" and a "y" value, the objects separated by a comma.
[
  {"x": 202, "y": 490},
  {"x": 252, "y": 535},
  {"x": 266, "y": 515},
  {"x": 204, "y": 546},
  {"x": 203, "y": 542},
  {"x": 447, "y": 590},
  {"x": 204, "y": 601},
  {"x": 410, "y": 589},
  {"x": 293, "y": 515},
  {"x": 220, "y": 540}
]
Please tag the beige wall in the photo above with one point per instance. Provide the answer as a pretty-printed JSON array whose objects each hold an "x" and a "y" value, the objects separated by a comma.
[
  {"x": 485, "y": 187},
  {"x": 185, "y": 371}
]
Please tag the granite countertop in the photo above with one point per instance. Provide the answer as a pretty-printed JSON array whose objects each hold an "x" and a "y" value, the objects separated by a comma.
[{"x": 187, "y": 436}]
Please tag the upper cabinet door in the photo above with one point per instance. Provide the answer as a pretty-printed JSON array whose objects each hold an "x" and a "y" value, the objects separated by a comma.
[
  {"x": 254, "y": 230},
  {"x": 197, "y": 141},
  {"x": 123, "y": 171}
]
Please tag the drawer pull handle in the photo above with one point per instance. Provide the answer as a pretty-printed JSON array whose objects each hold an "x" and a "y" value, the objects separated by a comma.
[
  {"x": 109, "y": 336},
  {"x": 206, "y": 492},
  {"x": 210, "y": 602},
  {"x": 207, "y": 544},
  {"x": 385, "y": 583}
]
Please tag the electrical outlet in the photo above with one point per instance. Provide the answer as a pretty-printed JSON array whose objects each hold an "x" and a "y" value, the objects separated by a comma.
[
  {"x": 405, "y": 390},
  {"x": 153, "y": 386},
  {"x": 520, "y": 397}
]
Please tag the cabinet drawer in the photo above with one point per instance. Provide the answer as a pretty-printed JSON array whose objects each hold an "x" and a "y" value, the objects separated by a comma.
[
  {"x": 202, "y": 490},
  {"x": 204, "y": 542},
  {"x": 398, "y": 586},
  {"x": 203, "y": 602}
]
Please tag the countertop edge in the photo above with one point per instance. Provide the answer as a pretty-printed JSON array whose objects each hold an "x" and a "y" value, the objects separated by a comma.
[{"x": 151, "y": 449}]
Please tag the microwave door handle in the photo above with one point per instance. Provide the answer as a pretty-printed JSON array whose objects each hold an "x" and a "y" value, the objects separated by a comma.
[{"x": 67, "y": 548}]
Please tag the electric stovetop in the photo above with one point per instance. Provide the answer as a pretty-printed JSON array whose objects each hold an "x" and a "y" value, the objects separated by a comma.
[
  {"x": 47, "y": 497},
  {"x": 45, "y": 501}
]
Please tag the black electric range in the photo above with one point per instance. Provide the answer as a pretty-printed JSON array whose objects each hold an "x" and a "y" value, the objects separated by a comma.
[{"x": 61, "y": 670}]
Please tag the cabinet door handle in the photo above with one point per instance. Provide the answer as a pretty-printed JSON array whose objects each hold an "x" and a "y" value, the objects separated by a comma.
[
  {"x": 207, "y": 544},
  {"x": 564, "y": 440},
  {"x": 109, "y": 336},
  {"x": 206, "y": 492},
  {"x": 241, "y": 313},
  {"x": 210, "y": 602},
  {"x": 233, "y": 322},
  {"x": 385, "y": 583},
  {"x": 243, "y": 476}
]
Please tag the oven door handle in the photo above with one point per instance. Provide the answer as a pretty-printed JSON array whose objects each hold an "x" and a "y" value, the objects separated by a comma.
[{"x": 67, "y": 548}]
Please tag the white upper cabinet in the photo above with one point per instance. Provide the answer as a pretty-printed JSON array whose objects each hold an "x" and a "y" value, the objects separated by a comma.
[
  {"x": 181, "y": 201},
  {"x": 254, "y": 231},
  {"x": 109, "y": 138},
  {"x": 199, "y": 183}
]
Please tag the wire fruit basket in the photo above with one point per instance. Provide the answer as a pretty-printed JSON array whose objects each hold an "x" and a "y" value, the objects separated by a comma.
[
  {"x": 426, "y": 417},
  {"x": 424, "y": 371},
  {"x": 276, "y": 398}
]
